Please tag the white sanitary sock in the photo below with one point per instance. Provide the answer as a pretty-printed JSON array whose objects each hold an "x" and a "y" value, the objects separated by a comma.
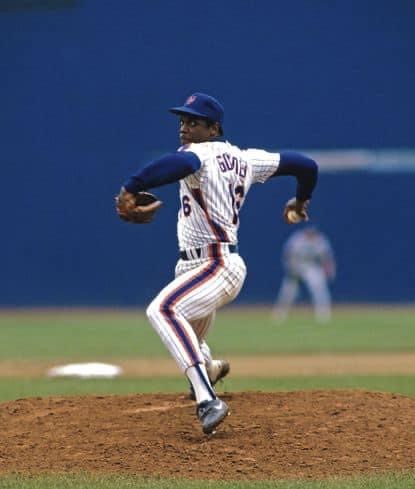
[{"x": 199, "y": 379}]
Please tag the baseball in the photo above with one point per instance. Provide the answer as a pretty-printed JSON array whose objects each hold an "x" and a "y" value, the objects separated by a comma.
[{"x": 293, "y": 217}]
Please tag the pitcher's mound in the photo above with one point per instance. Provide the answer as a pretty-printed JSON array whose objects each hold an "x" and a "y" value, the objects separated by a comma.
[{"x": 312, "y": 434}]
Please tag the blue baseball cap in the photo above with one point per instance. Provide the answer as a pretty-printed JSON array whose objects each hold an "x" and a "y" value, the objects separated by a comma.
[{"x": 202, "y": 105}]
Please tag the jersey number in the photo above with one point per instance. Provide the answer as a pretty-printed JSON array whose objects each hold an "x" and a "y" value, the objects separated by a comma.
[
  {"x": 237, "y": 196},
  {"x": 186, "y": 205}
]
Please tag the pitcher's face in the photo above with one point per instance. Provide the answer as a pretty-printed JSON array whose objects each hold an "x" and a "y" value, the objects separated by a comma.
[{"x": 196, "y": 130}]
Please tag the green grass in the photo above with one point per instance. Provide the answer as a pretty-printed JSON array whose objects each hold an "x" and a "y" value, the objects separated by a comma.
[
  {"x": 79, "y": 336},
  {"x": 75, "y": 336},
  {"x": 71, "y": 481},
  {"x": 93, "y": 336},
  {"x": 21, "y": 387}
]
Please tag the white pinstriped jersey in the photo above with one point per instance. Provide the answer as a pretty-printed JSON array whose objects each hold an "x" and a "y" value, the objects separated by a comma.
[{"x": 212, "y": 197}]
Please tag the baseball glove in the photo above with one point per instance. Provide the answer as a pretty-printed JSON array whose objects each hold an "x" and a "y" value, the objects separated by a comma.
[{"x": 137, "y": 209}]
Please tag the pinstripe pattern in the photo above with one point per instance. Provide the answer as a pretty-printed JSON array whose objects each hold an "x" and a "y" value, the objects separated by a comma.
[
  {"x": 201, "y": 326},
  {"x": 168, "y": 311},
  {"x": 210, "y": 202},
  {"x": 210, "y": 192},
  {"x": 200, "y": 287},
  {"x": 220, "y": 234}
]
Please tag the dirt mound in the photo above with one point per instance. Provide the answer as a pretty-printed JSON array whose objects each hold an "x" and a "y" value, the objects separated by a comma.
[{"x": 313, "y": 434}]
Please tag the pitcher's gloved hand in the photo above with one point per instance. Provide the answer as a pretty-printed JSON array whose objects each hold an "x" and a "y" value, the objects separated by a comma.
[{"x": 137, "y": 209}]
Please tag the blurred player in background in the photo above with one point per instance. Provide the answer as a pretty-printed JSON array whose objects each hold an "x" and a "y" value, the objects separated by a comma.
[{"x": 308, "y": 259}]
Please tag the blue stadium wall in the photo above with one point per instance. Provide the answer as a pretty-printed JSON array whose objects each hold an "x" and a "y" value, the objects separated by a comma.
[{"x": 84, "y": 91}]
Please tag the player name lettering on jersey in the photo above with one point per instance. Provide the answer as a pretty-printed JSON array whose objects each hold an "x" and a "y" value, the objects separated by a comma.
[{"x": 228, "y": 162}]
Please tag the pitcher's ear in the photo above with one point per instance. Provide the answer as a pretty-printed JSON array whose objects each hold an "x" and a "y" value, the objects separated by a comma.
[{"x": 215, "y": 129}]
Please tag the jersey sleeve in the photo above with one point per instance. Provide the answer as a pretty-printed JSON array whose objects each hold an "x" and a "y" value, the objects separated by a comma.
[
  {"x": 262, "y": 163},
  {"x": 166, "y": 169},
  {"x": 201, "y": 151}
]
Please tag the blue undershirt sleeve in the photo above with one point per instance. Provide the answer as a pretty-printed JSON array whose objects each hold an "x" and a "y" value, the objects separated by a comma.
[
  {"x": 166, "y": 169},
  {"x": 303, "y": 168}
]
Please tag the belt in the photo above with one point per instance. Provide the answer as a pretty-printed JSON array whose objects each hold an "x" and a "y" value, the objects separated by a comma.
[{"x": 213, "y": 250}]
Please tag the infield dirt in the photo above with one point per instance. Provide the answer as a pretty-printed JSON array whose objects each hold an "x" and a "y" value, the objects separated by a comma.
[{"x": 311, "y": 434}]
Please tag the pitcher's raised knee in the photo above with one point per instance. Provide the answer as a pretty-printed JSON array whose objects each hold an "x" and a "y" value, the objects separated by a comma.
[{"x": 153, "y": 311}]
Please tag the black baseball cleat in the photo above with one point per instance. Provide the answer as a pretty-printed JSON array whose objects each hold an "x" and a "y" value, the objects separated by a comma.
[
  {"x": 216, "y": 372},
  {"x": 211, "y": 414}
]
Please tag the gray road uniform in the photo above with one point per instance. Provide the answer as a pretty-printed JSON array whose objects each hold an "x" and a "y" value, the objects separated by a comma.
[{"x": 308, "y": 259}]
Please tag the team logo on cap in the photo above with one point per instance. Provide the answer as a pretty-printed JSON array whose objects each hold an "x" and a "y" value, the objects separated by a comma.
[{"x": 190, "y": 100}]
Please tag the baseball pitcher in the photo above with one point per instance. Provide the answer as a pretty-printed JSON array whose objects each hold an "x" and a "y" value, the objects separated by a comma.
[{"x": 215, "y": 177}]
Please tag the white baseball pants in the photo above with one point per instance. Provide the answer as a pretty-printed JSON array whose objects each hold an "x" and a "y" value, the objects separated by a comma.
[{"x": 184, "y": 310}]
